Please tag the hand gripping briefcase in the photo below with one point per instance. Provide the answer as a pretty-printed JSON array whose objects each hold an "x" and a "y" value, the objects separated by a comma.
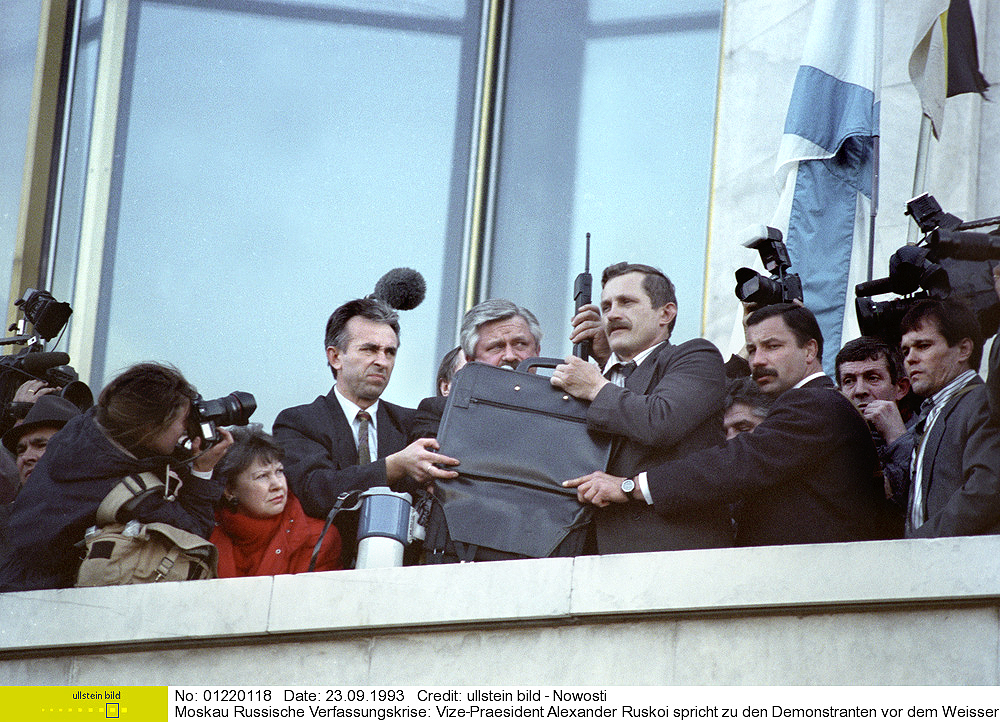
[{"x": 518, "y": 439}]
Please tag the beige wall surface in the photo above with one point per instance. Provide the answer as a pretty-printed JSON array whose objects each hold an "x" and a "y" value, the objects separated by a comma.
[
  {"x": 908, "y": 611},
  {"x": 761, "y": 49}
]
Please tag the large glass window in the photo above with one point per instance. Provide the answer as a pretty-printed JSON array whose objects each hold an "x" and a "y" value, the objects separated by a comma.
[
  {"x": 607, "y": 128},
  {"x": 273, "y": 161},
  {"x": 62, "y": 265},
  {"x": 18, "y": 45}
]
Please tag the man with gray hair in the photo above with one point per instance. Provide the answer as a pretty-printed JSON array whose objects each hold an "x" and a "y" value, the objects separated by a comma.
[
  {"x": 497, "y": 332},
  {"x": 500, "y": 333}
]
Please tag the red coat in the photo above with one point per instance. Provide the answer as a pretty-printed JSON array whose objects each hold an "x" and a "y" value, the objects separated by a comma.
[{"x": 283, "y": 544}]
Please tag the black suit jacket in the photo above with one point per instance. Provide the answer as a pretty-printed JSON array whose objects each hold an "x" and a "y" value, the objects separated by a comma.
[
  {"x": 321, "y": 457},
  {"x": 806, "y": 474},
  {"x": 670, "y": 406},
  {"x": 961, "y": 469},
  {"x": 428, "y": 417}
]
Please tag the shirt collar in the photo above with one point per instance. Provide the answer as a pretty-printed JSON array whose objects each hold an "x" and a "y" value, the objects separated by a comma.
[
  {"x": 809, "y": 378},
  {"x": 639, "y": 357},
  {"x": 351, "y": 409},
  {"x": 941, "y": 397}
]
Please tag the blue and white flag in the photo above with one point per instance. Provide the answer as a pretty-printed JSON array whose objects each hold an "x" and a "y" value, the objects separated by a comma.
[{"x": 825, "y": 160}]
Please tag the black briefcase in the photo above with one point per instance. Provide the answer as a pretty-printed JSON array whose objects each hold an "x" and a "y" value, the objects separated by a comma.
[{"x": 518, "y": 439}]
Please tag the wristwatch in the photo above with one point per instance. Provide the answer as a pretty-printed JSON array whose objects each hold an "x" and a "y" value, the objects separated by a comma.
[{"x": 628, "y": 486}]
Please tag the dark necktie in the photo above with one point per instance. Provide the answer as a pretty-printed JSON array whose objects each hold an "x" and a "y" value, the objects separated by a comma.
[
  {"x": 625, "y": 369},
  {"x": 364, "y": 454}
]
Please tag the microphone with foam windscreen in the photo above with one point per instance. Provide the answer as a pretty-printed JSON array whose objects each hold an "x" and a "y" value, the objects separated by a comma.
[
  {"x": 401, "y": 288},
  {"x": 38, "y": 363}
]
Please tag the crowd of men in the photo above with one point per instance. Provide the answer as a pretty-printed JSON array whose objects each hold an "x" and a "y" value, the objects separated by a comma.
[
  {"x": 698, "y": 460},
  {"x": 904, "y": 442}
]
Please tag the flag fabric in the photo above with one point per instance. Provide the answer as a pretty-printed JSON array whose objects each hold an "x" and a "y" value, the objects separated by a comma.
[
  {"x": 945, "y": 57},
  {"x": 825, "y": 161}
]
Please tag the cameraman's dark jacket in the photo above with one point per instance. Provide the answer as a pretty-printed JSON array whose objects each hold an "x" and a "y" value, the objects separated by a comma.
[{"x": 60, "y": 500}]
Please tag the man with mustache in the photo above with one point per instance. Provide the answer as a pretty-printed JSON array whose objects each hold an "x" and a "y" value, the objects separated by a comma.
[
  {"x": 658, "y": 400},
  {"x": 805, "y": 474},
  {"x": 350, "y": 439}
]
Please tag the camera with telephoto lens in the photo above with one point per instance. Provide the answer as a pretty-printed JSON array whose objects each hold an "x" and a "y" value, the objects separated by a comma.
[
  {"x": 914, "y": 274},
  {"x": 207, "y": 416},
  {"x": 782, "y": 286}
]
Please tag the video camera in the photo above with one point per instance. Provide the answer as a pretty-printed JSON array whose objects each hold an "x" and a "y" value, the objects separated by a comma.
[
  {"x": 207, "y": 416},
  {"x": 949, "y": 261},
  {"x": 48, "y": 317},
  {"x": 782, "y": 286}
]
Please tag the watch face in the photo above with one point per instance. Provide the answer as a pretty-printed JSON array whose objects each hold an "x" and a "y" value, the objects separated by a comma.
[{"x": 628, "y": 485}]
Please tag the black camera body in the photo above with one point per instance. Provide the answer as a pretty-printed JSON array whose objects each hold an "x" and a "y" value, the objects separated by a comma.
[
  {"x": 952, "y": 262},
  {"x": 208, "y": 415},
  {"x": 782, "y": 286},
  {"x": 45, "y": 313},
  {"x": 48, "y": 317}
]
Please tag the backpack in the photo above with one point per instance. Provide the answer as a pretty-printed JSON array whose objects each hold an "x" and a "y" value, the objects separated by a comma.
[{"x": 137, "y": 553}]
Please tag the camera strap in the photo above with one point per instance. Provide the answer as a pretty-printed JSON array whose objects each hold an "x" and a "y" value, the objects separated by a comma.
[
  {"x": 352, "y": 497},
  {"x": 131, "y": 489}
]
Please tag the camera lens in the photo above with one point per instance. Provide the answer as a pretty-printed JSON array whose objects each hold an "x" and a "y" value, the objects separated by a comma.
[{"x": 238, "y": 407}]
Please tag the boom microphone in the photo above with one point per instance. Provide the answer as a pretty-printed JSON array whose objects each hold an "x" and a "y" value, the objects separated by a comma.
[
  {"x": 39, "y": 362},
  {"x": 401, "y": 288}
]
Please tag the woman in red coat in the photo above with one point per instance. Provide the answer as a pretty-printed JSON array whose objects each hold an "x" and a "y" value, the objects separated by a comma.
[{"x": 261, "y": 528}]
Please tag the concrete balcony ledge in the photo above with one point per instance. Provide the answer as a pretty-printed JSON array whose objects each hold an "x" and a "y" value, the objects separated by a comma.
[{"x": 942, "y": 589}]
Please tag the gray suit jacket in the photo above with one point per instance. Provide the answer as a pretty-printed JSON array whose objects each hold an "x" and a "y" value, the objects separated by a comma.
[
  {"x": 993, "y": 380},
  {"x": 671, "y": 406},
  {"x": 961, "y": 469}
]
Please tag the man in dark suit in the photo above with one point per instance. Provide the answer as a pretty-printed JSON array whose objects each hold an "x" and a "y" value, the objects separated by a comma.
[
  {"x": 871, "y": 375},
  {"x": 805, "y": 474},
  {"x": 658, "y": 400},
  {"x": 955, "y": 474},
  {"x": 350, "y": 439}
]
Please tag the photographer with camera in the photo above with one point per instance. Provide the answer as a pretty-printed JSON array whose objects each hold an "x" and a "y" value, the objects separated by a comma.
[{"x": 140, "y": 418}]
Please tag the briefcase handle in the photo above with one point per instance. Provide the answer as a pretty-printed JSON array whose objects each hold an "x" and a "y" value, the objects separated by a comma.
[{"x": 547, "y": 362}]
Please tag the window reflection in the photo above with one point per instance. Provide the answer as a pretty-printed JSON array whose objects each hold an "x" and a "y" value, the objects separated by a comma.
[
  {"x": 273, "y": 168},
  {"x": 607, "y": 129},
  {"x": 18, "y": 44}
]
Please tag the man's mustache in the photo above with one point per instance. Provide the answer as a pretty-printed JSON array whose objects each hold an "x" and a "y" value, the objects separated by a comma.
[{"x": 758, "y": 373}]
